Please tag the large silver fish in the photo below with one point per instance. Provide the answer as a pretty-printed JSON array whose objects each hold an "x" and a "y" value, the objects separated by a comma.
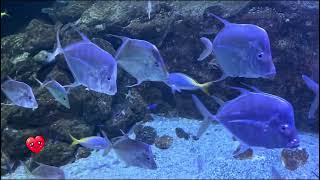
[
  {"x": 141, "y": 59},
  {"x": 19, "y": 93},
  {"x": 90, "y": 65},
  {"x": 255, "y": 119},
  {"x": 241, "y": 50}
]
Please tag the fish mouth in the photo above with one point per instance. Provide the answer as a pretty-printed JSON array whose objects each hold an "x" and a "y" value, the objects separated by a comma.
[
  {"x": 270, "y": 75},
  {"x": 293, "y": 144}
]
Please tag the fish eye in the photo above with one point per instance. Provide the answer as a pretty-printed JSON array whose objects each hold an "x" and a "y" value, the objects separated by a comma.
[
  {"x": 283, "y": 127},
  {"x": 109, "y": 78},
  {"x": 30, "y": 97},
  {"x": 260, "y": 55}
]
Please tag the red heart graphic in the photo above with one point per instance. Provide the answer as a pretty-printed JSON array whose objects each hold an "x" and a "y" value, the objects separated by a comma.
[{"x": 35, "y": 144}]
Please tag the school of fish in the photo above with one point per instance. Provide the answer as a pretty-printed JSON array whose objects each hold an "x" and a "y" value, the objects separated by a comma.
[{"x": 255, "y": 119}]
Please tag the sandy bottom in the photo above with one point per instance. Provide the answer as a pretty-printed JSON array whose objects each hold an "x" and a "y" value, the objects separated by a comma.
[{"x": 209, "y": 157}]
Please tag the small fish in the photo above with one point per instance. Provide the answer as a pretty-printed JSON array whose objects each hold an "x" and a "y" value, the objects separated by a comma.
[
  {"x": 275, "y": 174},
  {"x": 133, "y": 152},
  {"x": 180, "y": 81},
  {"x": 141, "y": 59},
  {"x": 4, "y": 14},
  {"x": 44, "y": 171},
  {"x": 241, "y": 50},
  {"x": 152, "y": 106},
  {"x": 149, "y": 9},
  {"x": 315, "y": 89},
  {"x": 255, "y": 119},
  {"x": 90, "y": 65},
  {"x": 19, "y": 93},
  {"x": 57, "y": 91},
  {"x": 92, "y": 142}
]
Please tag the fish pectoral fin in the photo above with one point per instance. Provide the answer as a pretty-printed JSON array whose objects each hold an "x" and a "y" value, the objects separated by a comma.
[
  {"x": 243, "y": 148},
  {"x": 208, "y": 48},
  {"x": 138, "y": 83},
  {"x": 107, "y": 150},
  {"x": 203, "y": 127},
  {"x": 7, "y": 104}
]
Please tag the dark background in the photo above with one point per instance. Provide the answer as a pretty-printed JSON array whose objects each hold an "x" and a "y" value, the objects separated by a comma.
[{"x": 21, "y": 12}]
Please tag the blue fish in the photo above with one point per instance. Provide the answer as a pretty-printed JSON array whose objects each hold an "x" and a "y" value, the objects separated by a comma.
[
  {"x": 315, "y": 88},
  {"x": 92, "y": 142},
  {"x": 19, "y": 93},
  {"x": 254, "y": 119},
  {"x": 152, "y": 106},
  {"x": 180, "y": 81},
  {"x": 90, "y": 65},
  {"x": 241, "y": 50}
]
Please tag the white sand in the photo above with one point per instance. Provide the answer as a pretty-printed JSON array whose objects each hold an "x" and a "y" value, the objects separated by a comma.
[{"x": 215, "y": 148}]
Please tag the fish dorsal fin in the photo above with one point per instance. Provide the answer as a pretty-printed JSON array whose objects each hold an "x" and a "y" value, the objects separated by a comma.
[
  {"x": 225, "y": 22},
  {"x": 242, "y": 90},
  {"x": 9, "y": 78},
  {"x": 84, "y": 37},
  {"x": 252, "y": 87},
  {"x": 123, "y": 38},
  {"x": 311, "y": 84}
]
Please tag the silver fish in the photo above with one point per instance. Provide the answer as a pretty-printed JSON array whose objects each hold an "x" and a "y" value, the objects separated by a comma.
[
  {"x": 134, "y": 153},
  {"x": 44, "y": 171},
  {"x": 90, "y": 65},
  {"x": 56, "y": 90},
  {"x": 92, "y": 142},
  {"x": 19, "y": 93},
  {"x": 141, "y": 59},
  {"x": 241, "y": 50},
  {"x": 315, "y": 88},
  {"x": 255, "y": 119}
]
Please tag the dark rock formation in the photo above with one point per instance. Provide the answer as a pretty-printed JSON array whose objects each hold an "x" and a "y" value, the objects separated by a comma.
[
  {"x": 244, "y": 155},
  {"x": 146, "y": 134}
]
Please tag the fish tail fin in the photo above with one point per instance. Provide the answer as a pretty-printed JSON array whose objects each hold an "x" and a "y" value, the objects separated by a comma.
[
  {"x": 74, "y": 140},
  {"x": 310, "y": 83},
  {"x": 51, "y": 56},
  {"x": 108, "y": 149},
  {"x": 41, "y": 84},
  {"x": 26, "y": 168},
  {"x": 205, "y": 87},
  {"x": 202, "y": 109},
  {"x": 225, "y": 22}
]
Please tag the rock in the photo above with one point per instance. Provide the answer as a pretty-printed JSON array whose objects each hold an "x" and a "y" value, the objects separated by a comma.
[
  {"x": 61, "y": 129},
  {"x": 82, "y": 153},
  {"x": 182, "y": 134},
  {"x": 293, "y": 158},
  {"x": 163, "y": 142},
  {"x": 248, "y": 154},
  {"x": 56, "y": 154},
  {"x": 71, "y": 12},
  {"x": 146, "y": 134}
]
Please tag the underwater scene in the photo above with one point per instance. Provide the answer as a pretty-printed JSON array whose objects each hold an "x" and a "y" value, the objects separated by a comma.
[{"x": 98, "y": 89}]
